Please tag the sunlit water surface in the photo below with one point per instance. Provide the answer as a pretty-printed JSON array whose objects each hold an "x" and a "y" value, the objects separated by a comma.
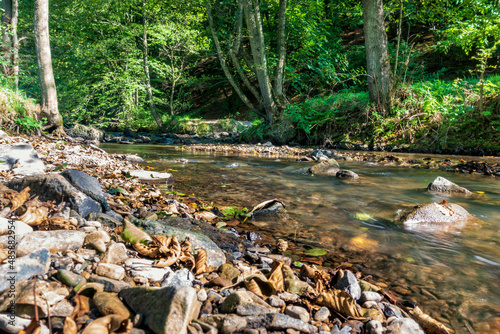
[{"x": 455, "y": 277}]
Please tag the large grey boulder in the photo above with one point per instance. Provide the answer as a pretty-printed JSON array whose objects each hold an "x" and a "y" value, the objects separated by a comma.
[
  {"x": 167, "y": 310},
  {"x": 22, "y": 159},
  {"x": 436, "y": 217},
  {"x": 442, "y": 185},
  {"x": 56, "y": 187},
  {"x": 86, "y": 184}
]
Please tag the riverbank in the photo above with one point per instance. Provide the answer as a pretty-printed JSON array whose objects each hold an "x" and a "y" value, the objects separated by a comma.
[{"x": 247, "y": 257}]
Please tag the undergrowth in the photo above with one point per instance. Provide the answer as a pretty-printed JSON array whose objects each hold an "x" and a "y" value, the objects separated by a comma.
[{"x": 17, "y": 112}]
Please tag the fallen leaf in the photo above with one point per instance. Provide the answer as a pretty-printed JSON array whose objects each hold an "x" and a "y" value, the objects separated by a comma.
[
  {"x": 69, "y": 326},
  {"x": 276, "y": 277},
  {"x": 109, "y": 324},
  {"x": 19, "y": 199},
  {"x": 315, "y": 252},
  {"x": 341, "y": 302},
  {"x": 34, "y": 215},
  {"x": 201, "y": 261}
]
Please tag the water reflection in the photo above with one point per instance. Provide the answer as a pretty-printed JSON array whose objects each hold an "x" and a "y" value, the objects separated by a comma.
[{"x": 454, "y": 276}]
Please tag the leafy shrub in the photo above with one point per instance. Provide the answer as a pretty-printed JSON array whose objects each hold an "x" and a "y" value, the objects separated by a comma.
[
  {"x": 203, "y": 128},
  {"x": 27, "y": 124}
]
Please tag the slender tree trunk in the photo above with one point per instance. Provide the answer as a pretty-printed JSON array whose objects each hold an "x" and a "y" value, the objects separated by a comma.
[
  {"x": 280, "y": 67},
  {"x": 146, "y": 68},
  {"x": 257, "y": 45},
  {"x": 15, "y": 44},
  {"x": 377, "y": 59},
  {"x": 399, "y": 38},
  {"x": 6, "y": 21},
  {"x": 222, "y": 61},
  {"x": 49, "y": 107}
]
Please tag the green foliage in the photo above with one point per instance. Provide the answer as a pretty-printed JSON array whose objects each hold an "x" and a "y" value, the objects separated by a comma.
[
  {"x": 28, "y": 124},
  {"x": 257, "y": 132},
  {"x": 203, "y": 128},
  {"x": 235, "y": 212}
]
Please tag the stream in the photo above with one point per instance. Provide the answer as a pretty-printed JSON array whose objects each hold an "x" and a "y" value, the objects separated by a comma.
[{"x": 455, "y": 277}]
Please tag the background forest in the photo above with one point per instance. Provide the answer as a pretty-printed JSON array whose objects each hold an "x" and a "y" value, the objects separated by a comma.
[{"x": 296, "y": 69}]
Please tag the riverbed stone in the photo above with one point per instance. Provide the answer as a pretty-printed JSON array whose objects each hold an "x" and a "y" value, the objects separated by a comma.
[
  {"x": 150, "y": 177},
  {"x": 349, "y": 283},
  {"x": 374, "y": 327},
  {"x": 181, "y": 277},
  {"x": 25, "y": 267},
  {"x": 273, "y": 211},
  {"x": 56, "y": 187},
  {"x": 297, "y": 312},
  {"x": 97, "y": 240},
  {"x": 110, "y": 284},
  {"x": 87, "y": 184},
  {"x": 116, "y": 254},
  {"x": 278, "y": 321},
  {"x": 70, "y": 278},
  {"x": 17, "y": 226},
  {"x": 346, "y": 174},
  {"x": 228, "y": 271},
  {"x": 436, "y": 217},
  {"x": 12, "y": 325},
  {"x": 322, "y": 314},
  {"x": 22, "y": 159},
  {"x": 404, "y": 326},
  {"x": 442, "y": 185},
  {"x": 109, "y": 270},
  {"x": 55, "y": 241},
  {"x": 134, "y": 158},
  {"x": 325, "y": 167},
  {"x": 166, "y": 310},
  {"x": 369, "y": 296},
  {"x": 144, "y": 268}
]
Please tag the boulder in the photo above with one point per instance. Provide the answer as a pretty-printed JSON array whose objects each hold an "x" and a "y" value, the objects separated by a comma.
[
  {"x": 436, "y": 217},
  {"x": 86, "y": 184},
  {"x": 442, "y": 185},
  {"x": 346, "y": 174},
  {"x": 22, "y": 159},
  {"x": 86, "y": 132},
  {"x": 325, "y": 167},
  {"x": 167, "y": 310},
  {"x": 56, "y": 187},
  {"x": 134, "y": 158},
  {"x": 130, "y": 133}
]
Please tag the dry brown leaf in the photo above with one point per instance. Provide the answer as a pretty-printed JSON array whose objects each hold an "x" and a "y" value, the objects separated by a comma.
[
  {"x": 276, "y": 276},
  {"x": 147, "y": 250},
  {"x": 57, "y": 223},
  {"x": 341, "y": 302},
  {"x": 430, "y": 325},
  {"x": 3, "y": 254},
  {"x": 170, "y": 250},
  {"x": 109, "y": 324},
  {"x": 20, "y": 198},
  {"x": 69, "y": 326},
  {"x": 34, "y": 216},
  {"x": 282, "y": 246},
  {"x": 33, "y": 328},
  {"x": 260, "y": 287},
  {"x": 201, "y": 261}
]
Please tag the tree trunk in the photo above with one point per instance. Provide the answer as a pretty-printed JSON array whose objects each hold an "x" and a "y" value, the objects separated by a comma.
[
  {"x": 146, "y": 68},
  {"x": 377, "y": 59},
  {"x": 280, "y": 67},
  {"x": 49, "y": 108},
  {"x": 15, "y": 44},
  {"x": 257, "y": 45},
  {"x": 6, "y": 21}
]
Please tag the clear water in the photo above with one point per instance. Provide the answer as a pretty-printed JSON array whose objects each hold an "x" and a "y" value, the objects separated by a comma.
[{"x": 455, "y": 277}]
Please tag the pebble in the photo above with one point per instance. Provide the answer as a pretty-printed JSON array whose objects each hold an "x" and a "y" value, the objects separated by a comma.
[
  {"x": 374, "y": 327},
  {"x": 289, "y": 297},
  {"x": 181, "y": 277},
  {"x": 322, "y": 314},
  {"x": 350, "y": 284},
  {"x": 275, "y": 301},
  {"x": 69, "y": 278},
  {"x": 116, "y": 254},
  {"x": 110, "y": 270},
  {"x": 54, "y": 241},
  {"x": 369, "y": 296},
  {"x": 202, "y": 295},
  {"x": 98, "y": 240},
  {"x": 297, "y": 312},
  {"x": 262, "y": 250},
  {"x": 404, "y": 326},
  {"x": 110, "y": 285}
]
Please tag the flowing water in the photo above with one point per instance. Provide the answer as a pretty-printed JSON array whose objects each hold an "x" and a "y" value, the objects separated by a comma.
[{"x": 454, "y": 276}]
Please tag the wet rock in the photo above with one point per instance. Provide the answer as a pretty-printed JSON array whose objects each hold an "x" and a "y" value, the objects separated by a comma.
[
  {"x": 130, "y": 133},
  {"x": 97, "y": 240},
  {"x": 70, "y": 278},
  {"x": 391, "y": 310},
  {"x": 181, "y": 277},
  {"x": 436, "y": 218},
  {"x": 56, "y": 187},
  {"x": 108, "y": 303},
  {"x": 296, "y": 286},
  {"x": 22, "y": 159},
  {"x": 261, "y": 250},
  {"x": 134, "y": 158},
  {"x": 55, "y": 241},
  {"x": 232, "y": 323},
  {"x": 25, "y": 267},
  {"x": 442, "y": 185},
  {"x": 272, "y": 211},
  {"x": 277, "y": 321},
  {"x": 228, "y": 271},
  {"x": 297, "y": 312},
  {"x": 166, "y": 310},
  {"x": 110, "y": 285},
  {"x": 116, "y": 254},
  {"x": 404, "y": 326},
  {"x": 215, "y": 256},
  {"x": 325, "y": 167},
  {"x": 109, "y": 270},
  {"x": 346, "y": 174},
  {"x": 349, "y": 283},
  {"x": 370, "y": 296},
  {"x": 322, "y": 314},
  {"x": 144, "y": 268},
  {"x": 374, "y": 327}
]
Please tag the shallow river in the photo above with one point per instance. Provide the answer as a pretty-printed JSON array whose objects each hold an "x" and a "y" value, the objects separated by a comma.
[{"x": 455, "y": 277}]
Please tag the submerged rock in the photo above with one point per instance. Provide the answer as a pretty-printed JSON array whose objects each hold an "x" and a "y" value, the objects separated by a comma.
[
  {"x": 442, "y": 185},
  {"x": 436, "y": 218},
  {"x": 167, "y": 310},
  {"x": 325, "y": 167},
  {"x": 347, "y": 174}
]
